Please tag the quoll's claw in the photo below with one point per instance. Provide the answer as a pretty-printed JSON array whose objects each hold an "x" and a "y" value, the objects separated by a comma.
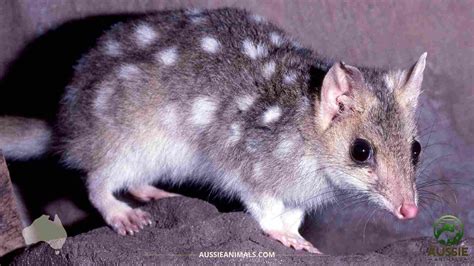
[
  {"x": 295, "y": 241},
  {"x": 130, "y": 221}
]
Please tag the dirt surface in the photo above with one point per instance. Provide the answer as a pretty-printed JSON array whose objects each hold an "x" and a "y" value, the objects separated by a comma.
[{"x": 186, "y": 230}]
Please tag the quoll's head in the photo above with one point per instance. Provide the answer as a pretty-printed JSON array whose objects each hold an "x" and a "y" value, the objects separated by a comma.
[{"x": 367, "y": 118}]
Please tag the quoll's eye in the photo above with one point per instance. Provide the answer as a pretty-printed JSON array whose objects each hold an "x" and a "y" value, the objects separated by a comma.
[
  {"x": 415, "y": 151},
  {"x": 361, "y": 150}
]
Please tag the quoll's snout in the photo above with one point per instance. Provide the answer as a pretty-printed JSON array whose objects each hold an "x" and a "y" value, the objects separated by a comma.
[{"x": 407, "y": 210}]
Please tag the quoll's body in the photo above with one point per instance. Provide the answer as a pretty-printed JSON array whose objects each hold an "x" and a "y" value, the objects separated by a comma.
[{"x": 225, "y": 97}]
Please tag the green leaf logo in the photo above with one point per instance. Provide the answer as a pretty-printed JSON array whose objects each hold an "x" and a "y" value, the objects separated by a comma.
[{"x": 448, "y": 230}]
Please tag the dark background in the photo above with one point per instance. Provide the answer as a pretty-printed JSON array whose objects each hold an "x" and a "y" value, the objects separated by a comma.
[{"x": 40, "y": 40}]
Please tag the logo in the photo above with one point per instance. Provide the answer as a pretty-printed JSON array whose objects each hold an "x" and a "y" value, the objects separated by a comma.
[
  {"x": 43, "y": 229},
  {"x": 448, "y": 231}
]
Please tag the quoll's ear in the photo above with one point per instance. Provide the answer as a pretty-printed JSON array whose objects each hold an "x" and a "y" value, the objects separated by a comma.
[
  {"x": 410, "y": 88},
  {"x": 337, "y": 90}
]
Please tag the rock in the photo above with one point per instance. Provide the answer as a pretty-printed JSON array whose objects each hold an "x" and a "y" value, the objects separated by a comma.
[
  {"x": 10, "y": 223},
  {"x": 188, "y": 231}
]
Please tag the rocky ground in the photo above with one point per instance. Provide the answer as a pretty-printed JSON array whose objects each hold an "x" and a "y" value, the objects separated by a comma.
[{"x": 186, "y": 230}]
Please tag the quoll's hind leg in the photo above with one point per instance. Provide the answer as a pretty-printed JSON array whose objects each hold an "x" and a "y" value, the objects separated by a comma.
[
  {"x": 117, "y": 214},
  {"x": 146, "y": 193},
  {"x": 281, "y": 223}
]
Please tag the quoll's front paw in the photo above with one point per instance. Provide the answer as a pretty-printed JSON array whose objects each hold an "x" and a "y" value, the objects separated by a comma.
[
  {"x": 293, "y": 240},
  {"x": 129, "y": 221}
]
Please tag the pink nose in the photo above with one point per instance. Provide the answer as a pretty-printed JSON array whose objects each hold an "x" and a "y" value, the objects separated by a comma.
[{"x": 407, "y": 211}]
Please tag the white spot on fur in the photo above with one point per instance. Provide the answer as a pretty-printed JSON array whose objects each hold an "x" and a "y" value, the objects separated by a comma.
[
  {"x": 289, "y": 78},
  {"x": 112, "y": 48},
  {"x": 253, "y": 50},
  {"x": 128, "y": 71},
  {"x": 197, "y": 19},
  {"x": 257, "y": 18},
  {"x": 268, "y": 69},
  {"x": 203, "y": 111},
  {"x": 145, "y": 35},
  {"x": 296, "y": 44},
  {"x": 235, "y": 134},
  {"x": 168, "y": 56},
  {"x": 276, "y": 39},
  {"x": 101, "y": 101},
  {"x": 210, "y": 44},
  {"x": 195, "y": 15},
  {"x": 258, "y": 170},
  {"x": 285, "y": 147},
  {"x": 271, "y": 115},
  {"x": 193, "y": 11},
  {"x": 245, "y": 102}
]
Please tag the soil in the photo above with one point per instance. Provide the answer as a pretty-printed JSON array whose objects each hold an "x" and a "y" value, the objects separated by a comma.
[{"x": 192, "y": 231}]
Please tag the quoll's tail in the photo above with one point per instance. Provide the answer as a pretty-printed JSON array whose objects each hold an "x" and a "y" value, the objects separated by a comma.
[{"x": 24, "y": 138}]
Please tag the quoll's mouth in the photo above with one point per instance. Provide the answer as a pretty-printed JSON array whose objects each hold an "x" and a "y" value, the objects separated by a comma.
[{"x": 406, "y": 211}]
